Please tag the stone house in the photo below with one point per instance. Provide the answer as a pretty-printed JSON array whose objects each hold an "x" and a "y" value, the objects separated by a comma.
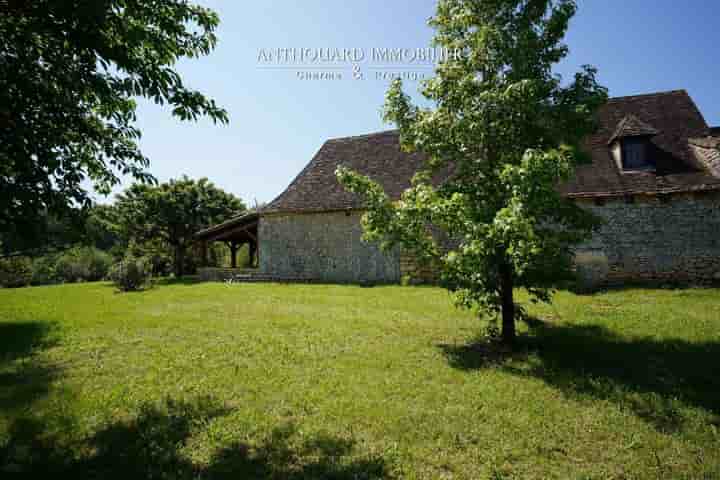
[{"x": 654, "y": 178}]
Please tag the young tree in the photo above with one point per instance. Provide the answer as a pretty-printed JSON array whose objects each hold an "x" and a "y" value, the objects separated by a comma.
[
  {"x": 173, "y": 212},
  {"x": 508, "y": 132},
  {"x": 70, "y": 71}
]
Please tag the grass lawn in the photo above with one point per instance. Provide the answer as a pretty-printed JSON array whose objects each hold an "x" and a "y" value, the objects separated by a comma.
[{"x": 300, "y": 381}]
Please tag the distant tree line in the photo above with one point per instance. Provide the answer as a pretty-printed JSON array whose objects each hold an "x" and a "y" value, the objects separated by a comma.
[{"x": 153, "y": 223}]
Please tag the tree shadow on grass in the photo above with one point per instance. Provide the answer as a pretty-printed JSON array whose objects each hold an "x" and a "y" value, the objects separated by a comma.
[
  {"x": 22, "y": 339},
  {"x": 630, "y": 285},
  {"x": 152, "y": 445},
  {"x": 24, "y": 378},
  {"x": 282, "y": 456},
  {"x": 653, "y": 378}
]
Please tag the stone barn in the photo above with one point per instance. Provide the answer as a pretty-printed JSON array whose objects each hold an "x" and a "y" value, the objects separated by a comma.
[{"x": 654, "y": 178}]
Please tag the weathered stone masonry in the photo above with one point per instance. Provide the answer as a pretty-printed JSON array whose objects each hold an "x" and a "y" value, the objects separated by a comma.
[
  {"x": 644, "y": 238},
  {"x": 324, "y": 246},
  {"x": 651, "y": 238}
]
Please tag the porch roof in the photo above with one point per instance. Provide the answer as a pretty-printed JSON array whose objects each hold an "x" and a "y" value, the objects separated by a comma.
[{"x": 240, "y": 229}]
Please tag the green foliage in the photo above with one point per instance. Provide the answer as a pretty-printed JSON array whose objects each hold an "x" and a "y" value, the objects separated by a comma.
[
  {"x": 77, "y": 264},
  {"x": 219, "y": 256},
  {"x": 173, "y": 212},
  {"x": 49, "y": 232},
  {"x": 70, "y": 73},
  {"x": 101, "y": 228},
  {"x": 155, "y": 251},
  {"x": 82, "y": 264},
  {"x": 44, "y": 271},
  {"x": 508, "y": 131},
  {"x": 131, "y": 273},
  {"x": 96, "y": 225},
  {"x": 15, "y": 272}
]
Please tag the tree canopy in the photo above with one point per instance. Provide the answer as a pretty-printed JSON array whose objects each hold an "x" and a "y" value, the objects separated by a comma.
[
  {"x": 174, "y": 211},
  {"x": 508, "y": 130},
  {"x": 70, "y": 71}
]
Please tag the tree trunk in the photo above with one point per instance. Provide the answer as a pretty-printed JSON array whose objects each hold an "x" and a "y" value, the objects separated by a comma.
[
  {"x": 179, "y": 260},
  {"x": 508, "y": 304}
]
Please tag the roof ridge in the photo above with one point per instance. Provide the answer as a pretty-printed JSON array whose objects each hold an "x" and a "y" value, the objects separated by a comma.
[
  {"x": 365, "y": 135},
  {"x": 681, "y": 91}
]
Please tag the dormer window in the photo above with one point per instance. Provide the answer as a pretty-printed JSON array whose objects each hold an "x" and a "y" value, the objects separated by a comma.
[
  {"x": 635, "y": 153},
  {"x": 630, "y": 145}
]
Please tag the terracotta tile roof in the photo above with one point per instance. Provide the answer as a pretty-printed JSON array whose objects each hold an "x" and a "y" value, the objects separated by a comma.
[
  {"x": 677, "y": 120},
  {"x": 376, "y": 155},
  {"x": 671, "y": 116}
]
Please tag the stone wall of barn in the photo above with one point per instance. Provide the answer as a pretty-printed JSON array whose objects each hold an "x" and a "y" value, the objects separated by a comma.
[
  {"x": 647, "y": 239},
  {"x": 653, "y": 239},
  {"x": 326, "y": 247}
]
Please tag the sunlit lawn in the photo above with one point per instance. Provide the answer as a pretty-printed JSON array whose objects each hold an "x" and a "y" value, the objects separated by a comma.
[{"x": 300, "y": 381}]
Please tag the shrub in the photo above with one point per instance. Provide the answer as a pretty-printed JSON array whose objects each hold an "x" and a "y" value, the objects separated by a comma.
[
  {"x": 98, "y": 263},
  {"x": 156, "y": 252},
  {"x": 86, "y": 264},
  {"x": 15, "y": 272},
  {"x": 131, "y": 273},
  {"x": 160, "y": 263},
  {"x": 43, "y": 270}
]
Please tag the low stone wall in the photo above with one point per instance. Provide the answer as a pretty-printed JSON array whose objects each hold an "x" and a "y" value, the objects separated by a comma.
[
  {"x": 210, "y": 274},
  {"x": 215, "y": 274},
  {"x": 653, "y": 239},
  {"x": 325, "y": 246}
]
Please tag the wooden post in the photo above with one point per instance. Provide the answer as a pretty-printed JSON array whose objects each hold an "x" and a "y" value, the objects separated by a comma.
[
  {"x": 204, "y": 253},
  {"x": 233, "y": 254},
  {"x": 252, "y": 250}
]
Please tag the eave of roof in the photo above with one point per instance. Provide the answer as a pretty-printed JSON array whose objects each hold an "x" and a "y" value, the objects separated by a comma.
[
  {"x": 705, "y": 142},
  {"x": 658, "y": 191},
  {"x": 239, "y": 220}
]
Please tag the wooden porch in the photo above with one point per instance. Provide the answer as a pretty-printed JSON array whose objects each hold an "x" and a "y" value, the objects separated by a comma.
[{"x": 234, "y": 233}]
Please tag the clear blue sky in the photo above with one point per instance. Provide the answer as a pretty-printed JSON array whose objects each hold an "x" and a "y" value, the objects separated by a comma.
[{"x": 277, "y": 121}]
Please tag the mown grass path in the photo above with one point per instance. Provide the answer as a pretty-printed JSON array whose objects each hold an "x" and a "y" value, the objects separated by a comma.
[{"x": 312, "y": 381}]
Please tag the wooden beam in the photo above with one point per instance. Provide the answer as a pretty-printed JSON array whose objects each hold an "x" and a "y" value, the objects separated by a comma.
[{"x": 221, "y": 236}]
